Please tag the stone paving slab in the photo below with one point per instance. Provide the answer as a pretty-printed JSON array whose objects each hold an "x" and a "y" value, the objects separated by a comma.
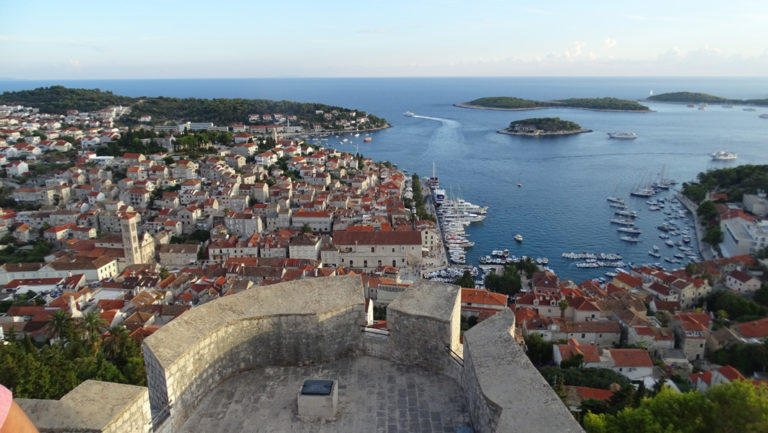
[{"x": 375, "y": 395}]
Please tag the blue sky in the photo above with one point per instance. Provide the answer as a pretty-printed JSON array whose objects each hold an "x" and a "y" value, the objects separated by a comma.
[{"x": 42, "y": 39}]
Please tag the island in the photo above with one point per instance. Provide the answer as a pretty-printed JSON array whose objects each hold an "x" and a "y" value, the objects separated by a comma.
[
  {"x": 307, "y": 117},
  {"x": 543, "y": 126},
  {"x": 703, "y": 98},
  {"x": 512, "y": 103}
]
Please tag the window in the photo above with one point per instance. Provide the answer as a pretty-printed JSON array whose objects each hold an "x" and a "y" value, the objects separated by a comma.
[
  {"x": 365, "y": 263},
  {"x": 372, "y": 249},
  {"x": 394, "y": 263},
  {"x": 393, "y": 250},
  {"x": 583, "y": 336}
]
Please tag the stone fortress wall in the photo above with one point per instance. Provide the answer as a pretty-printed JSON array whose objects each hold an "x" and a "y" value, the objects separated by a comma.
[{"x": 322, "y": 319}]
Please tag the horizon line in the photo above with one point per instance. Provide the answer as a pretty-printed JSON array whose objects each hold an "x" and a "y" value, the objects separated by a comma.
[{"x": 386, "y": 77}]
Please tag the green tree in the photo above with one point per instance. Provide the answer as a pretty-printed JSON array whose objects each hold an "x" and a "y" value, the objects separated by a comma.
[
  {"x": 306, "y": 228},
  {"x": 60, "y": 325},
  {"x": 563, "y": 304},
  {"x": 465, "y": 280},
  {"x": 538, "y": 350},
  {"x": 733, "y": 407},
  {"x": 761, "y": 295},
  {"x": 574, "y": 361},
  {"x": 714, "y": 235}
]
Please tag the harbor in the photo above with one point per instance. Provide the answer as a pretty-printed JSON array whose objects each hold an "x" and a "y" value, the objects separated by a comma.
[{"x": 656, "y": 205}]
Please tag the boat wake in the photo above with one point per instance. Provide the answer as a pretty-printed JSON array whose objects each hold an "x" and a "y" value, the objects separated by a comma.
[{"x": 437, "y": 119}]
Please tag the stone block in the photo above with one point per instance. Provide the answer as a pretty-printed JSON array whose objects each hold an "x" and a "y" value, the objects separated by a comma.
[{"x": 316, "y": 403}]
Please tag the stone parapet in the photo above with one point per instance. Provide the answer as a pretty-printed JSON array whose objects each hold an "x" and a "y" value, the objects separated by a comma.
[
  {"x": 295, "y": 323},
  {"x": 504, "y": 390},
  {"x": 424, "y": 322},
  {"x": 93, "y": 406}
]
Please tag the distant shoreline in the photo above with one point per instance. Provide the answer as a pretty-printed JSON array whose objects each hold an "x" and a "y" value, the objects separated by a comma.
[
  {"x": 480, "y": 107},
  {"x": 543, "y": 134}
]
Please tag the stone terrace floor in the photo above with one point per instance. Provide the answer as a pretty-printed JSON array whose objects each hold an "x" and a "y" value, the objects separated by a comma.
[{"x": 375, "y": 395}]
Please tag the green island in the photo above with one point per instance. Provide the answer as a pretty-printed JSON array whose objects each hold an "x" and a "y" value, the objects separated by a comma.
[
  {"x": 703, "y": 98},
  {"x": 543, "y": 126},
  {"x": 60, "y": 99},
  {"x": 512, "y": 103}
]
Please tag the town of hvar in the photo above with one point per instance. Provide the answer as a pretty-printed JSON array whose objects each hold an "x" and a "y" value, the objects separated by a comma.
[{"x": 369, "y": 221}]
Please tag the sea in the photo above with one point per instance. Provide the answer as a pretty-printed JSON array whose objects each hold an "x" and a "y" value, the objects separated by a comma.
[{"x": 560, "y": 204}]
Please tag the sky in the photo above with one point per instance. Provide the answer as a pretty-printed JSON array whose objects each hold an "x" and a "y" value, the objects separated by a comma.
[{"x": 83, "y": 39}]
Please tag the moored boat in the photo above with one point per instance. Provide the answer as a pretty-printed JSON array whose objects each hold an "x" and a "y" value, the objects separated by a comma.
[{"x": 623, "y": 135}]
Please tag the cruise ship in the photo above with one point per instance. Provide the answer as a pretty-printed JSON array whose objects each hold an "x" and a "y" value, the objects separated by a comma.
[
  {"x": 723, "y": 156},
  {"x": 623, "y": 135}
]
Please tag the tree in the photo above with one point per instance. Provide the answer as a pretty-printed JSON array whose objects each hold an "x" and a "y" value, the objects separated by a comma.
[
  {"x": 92, "y": 324},
  {"x": 761, "y": 295},
  {"x": 60, "y": 325},
  {"x": 306, "y": 228},
  {"x": 714, "y": 235},
  {"x": 738, "y": 406},
  {"x": 465, "y": 280},
  {"x": 563, "y": 304},
  {"x": 575, "y": 361},
  {"x": 538, "y": 350}
]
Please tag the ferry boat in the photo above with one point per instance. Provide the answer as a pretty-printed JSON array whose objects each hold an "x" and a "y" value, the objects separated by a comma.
[
  {"x": 623, "y": 135},
  {"x": 724, "y": 156}
]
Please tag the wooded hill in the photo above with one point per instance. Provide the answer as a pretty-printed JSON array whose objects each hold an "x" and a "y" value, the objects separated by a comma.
[
  {"x": 59, "y": 99},
  {"x": 703, "y": 98},
  {"x": 512, "y": 103}
]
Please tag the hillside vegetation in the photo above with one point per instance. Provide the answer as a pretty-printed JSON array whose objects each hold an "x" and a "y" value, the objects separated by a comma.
[
  {"x": 703, "y": 98},
  {"x": 736, "y": 181},
  {"x": 59, "y": 99},
  {"x": 512, "y": 103},
  {"x": 546, "y": 124}
]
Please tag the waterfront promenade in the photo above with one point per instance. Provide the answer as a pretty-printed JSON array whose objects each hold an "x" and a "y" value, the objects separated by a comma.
[{"x": 706, "y": 250}]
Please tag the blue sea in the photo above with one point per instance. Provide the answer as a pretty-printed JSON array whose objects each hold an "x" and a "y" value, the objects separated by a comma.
[{"x": 561, "y": 204}]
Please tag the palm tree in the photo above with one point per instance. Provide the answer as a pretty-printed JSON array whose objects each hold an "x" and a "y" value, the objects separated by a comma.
[
  {"x": 92, "y": 324},
  {"x": 59, "y": 324},
  {"x": 118, "y": 344}
]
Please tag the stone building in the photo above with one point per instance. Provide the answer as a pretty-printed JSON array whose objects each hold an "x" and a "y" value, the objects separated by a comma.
[{"x": 370, "y": 250}]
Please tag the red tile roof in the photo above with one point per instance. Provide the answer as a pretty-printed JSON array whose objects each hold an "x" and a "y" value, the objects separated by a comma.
[
  {"x": 588, "y": 351},
  {"x": 343, "y": 237},
  {"x": 753, "y": 329},
  {"x": 730, "y": 373},
  {"x": 630, "y": 358},
  {"x": 478, "y": 296},
  {"x": 586, "y": 393}
]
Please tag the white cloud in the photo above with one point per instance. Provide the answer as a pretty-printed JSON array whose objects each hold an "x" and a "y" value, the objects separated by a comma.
[
  {"x": 575, "y": 50},
  {"x": 609, "y": 43}
]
